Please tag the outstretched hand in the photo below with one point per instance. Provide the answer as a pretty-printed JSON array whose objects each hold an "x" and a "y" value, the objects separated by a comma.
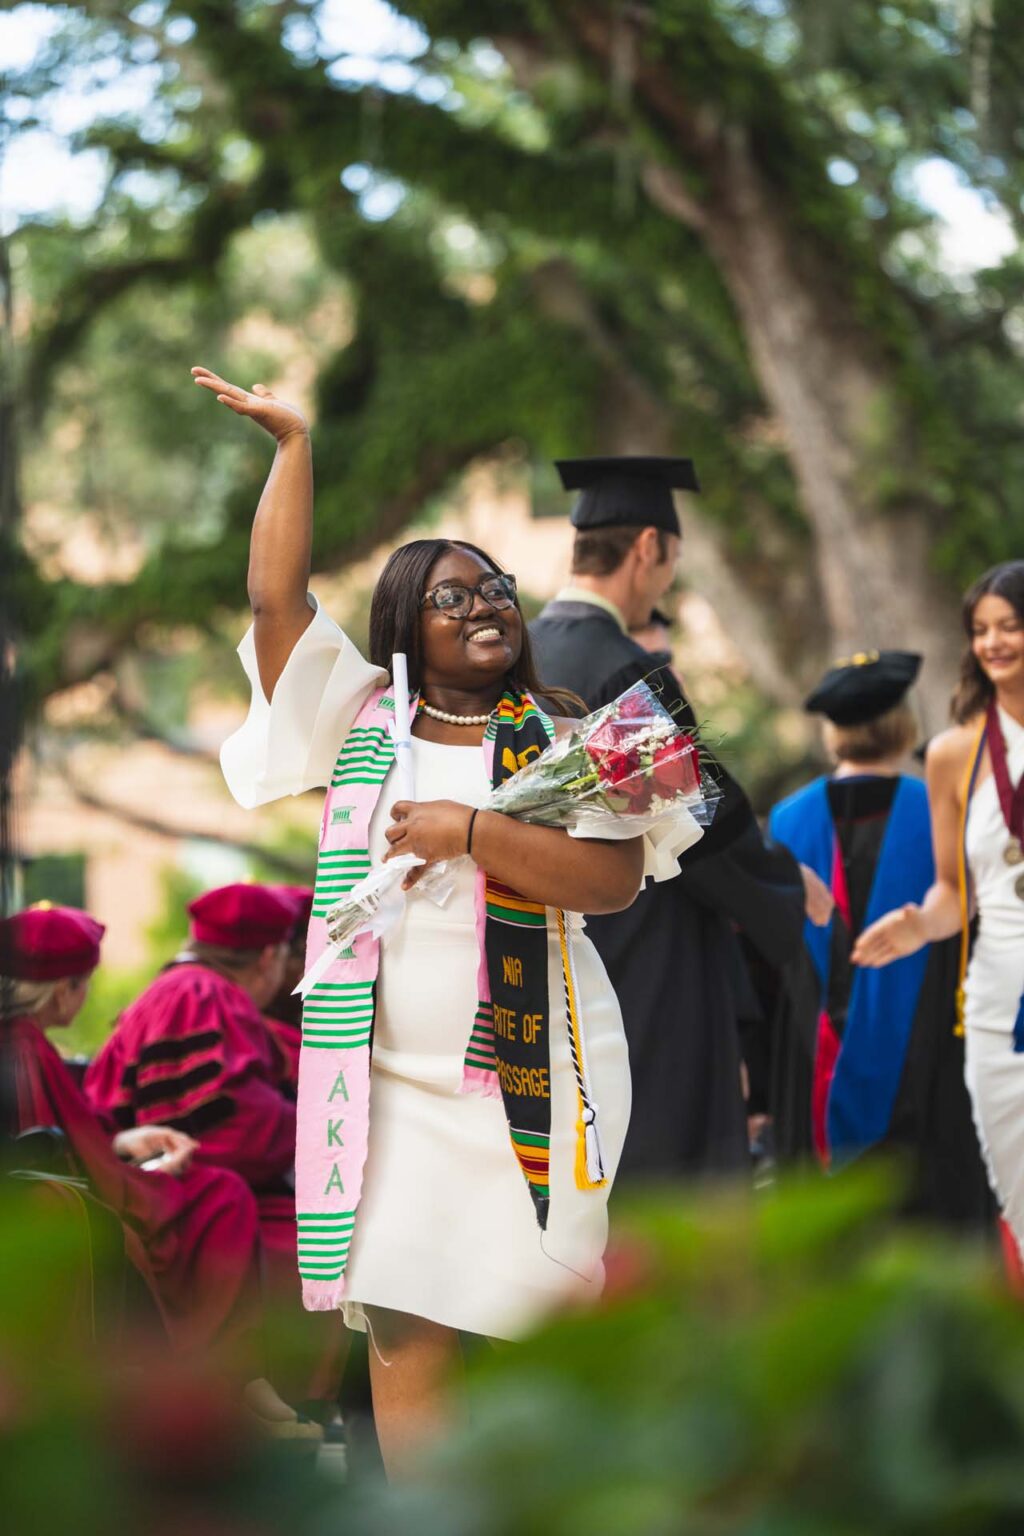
[
  {"x": 818, "y": 899},
  {"x": 893, "y": 936},
  {"x": 275, "y": 416}
]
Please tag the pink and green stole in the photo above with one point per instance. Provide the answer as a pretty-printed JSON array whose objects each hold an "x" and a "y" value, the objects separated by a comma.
[{"x": 507, "y": 1052}]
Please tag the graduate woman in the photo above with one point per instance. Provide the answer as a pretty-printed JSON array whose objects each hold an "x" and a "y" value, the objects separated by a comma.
[
  {"x": 976, "y": 790},
  {"x": 425, "y": 1185}
]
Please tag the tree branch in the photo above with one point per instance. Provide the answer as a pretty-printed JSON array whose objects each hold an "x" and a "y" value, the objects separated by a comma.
[
  {"x": 144, "y": 729},
  {"x": 228, "y": 208},
  {"x": 295, "y": 869}
]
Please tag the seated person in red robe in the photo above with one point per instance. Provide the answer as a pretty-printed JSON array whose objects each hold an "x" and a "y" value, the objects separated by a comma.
[
  {"x": 194, "y": 1052},
  {"x": 192, "y": 1232},
  {"x": 284, "y": 1011}
]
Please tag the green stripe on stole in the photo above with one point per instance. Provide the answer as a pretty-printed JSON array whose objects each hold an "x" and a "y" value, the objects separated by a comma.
[
  {"x": 337, "y": 1015},
  {"x": 323, "y": 1241},
  {"x": 514, "y": 918},
  {"x": 364, "y": 759}
]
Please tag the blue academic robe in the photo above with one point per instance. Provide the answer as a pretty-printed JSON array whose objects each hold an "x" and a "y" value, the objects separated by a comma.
[
  {"x": 863, "y": 1059},
  {"x": 860, "y": 1063}
]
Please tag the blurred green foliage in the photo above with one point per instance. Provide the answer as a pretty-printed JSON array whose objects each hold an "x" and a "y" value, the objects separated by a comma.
[
  {"x": 786, "y": 1365},
  {"x": 55, "y": 877},
  {"x": 101, "y": 1430},
  {"x": 789, "y": 1364},
  {"x": 742, "y": 726},
  {"x": 465, "y": 256}
]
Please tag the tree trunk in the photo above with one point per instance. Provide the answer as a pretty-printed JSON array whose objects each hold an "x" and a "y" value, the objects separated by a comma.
[
  {"x": 820, "y": 374},
  {"x": 873, "y": 566},
  {"x": 633, "y": 419}
]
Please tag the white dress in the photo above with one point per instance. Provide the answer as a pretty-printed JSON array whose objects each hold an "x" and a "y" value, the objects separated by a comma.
[
  {"x": 445, "y": 1228},
  {"x": 993, "y": 989}
]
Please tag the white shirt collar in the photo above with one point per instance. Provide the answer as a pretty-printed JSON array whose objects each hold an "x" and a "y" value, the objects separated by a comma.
[{"x": 573, "y": 594}]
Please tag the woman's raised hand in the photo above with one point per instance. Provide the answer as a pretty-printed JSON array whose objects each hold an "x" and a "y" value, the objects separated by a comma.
[
  {"x": 275, "y": 416},
  {"x": 893, "y": 936}
]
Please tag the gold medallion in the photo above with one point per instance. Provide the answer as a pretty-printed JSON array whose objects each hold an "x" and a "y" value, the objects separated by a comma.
[{"x": 1013, "y": 853}]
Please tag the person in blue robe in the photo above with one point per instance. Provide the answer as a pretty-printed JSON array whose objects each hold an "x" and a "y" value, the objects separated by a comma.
[{"x": 866, "y": 1059}]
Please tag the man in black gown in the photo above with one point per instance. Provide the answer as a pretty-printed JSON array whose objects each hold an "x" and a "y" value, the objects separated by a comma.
[{"x": 673, "y": 957}]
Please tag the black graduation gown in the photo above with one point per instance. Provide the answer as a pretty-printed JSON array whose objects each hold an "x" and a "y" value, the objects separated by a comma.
[
  {"x": 931, "y": 1125},
  {"x": 673, "y": 957}
]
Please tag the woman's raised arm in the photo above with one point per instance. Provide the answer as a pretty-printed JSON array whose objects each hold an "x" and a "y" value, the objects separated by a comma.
[{"x": 282, "y": 531}]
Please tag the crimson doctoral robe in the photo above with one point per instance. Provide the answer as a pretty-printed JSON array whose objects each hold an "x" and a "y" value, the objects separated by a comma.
[
  {"x": 195, "y": 1238},
  {"x": 194, "y": 1052}
]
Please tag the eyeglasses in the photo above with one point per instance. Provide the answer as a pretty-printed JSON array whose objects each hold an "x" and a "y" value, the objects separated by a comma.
[{"x": 456, "y": 601}]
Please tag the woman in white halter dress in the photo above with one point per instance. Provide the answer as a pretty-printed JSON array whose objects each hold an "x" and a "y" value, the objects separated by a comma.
[
  {"x": 994, "y": 986},
  {"x": 967, "y": 811}
]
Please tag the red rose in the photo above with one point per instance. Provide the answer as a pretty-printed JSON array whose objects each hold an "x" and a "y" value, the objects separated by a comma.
[
  {"x": 617, "y": 768},
  {"x": 608, "y": 737},
  {"x": 675, "y": 766},
  {"x": 642, "y": 794}
]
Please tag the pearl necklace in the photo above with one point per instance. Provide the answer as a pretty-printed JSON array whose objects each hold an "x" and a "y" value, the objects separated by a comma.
[{"x": 447, "y": 719}]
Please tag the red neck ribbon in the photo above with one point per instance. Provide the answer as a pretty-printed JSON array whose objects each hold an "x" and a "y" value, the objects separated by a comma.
[{"x": 1011, "y": 801}]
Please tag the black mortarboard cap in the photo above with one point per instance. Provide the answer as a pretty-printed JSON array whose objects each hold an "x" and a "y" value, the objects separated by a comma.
[
  {"x": 864, "y": 686},
  {"x": 627, "y": 491}
]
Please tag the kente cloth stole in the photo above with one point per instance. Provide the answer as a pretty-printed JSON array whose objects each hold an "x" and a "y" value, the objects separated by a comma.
[{"x": 507, "y": 1051}]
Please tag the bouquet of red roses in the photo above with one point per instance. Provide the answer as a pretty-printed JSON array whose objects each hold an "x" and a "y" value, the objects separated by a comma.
[
  {"x": 625, "y": 770},
  {"x": 617, "y": 773}
]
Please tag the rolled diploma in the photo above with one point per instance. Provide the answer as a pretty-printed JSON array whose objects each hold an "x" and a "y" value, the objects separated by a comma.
[{"x": 403, "y": 728}]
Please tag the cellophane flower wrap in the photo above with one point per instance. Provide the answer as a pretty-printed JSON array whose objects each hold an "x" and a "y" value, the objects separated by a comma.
[{"x": 619, "y": 773}]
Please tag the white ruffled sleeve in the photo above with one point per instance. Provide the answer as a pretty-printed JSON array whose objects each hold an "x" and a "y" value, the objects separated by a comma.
[
  {"x": 290, "y": 744},
  {"x": 663, "y": 844}
]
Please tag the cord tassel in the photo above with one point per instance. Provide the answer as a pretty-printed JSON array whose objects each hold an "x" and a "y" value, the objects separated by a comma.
[
  {"x": 589, "y": 1160},
  {"x": 595, "y": 1155}
]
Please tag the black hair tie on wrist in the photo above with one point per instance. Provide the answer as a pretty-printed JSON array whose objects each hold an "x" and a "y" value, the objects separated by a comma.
[{"x": 469, "y": 834}]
